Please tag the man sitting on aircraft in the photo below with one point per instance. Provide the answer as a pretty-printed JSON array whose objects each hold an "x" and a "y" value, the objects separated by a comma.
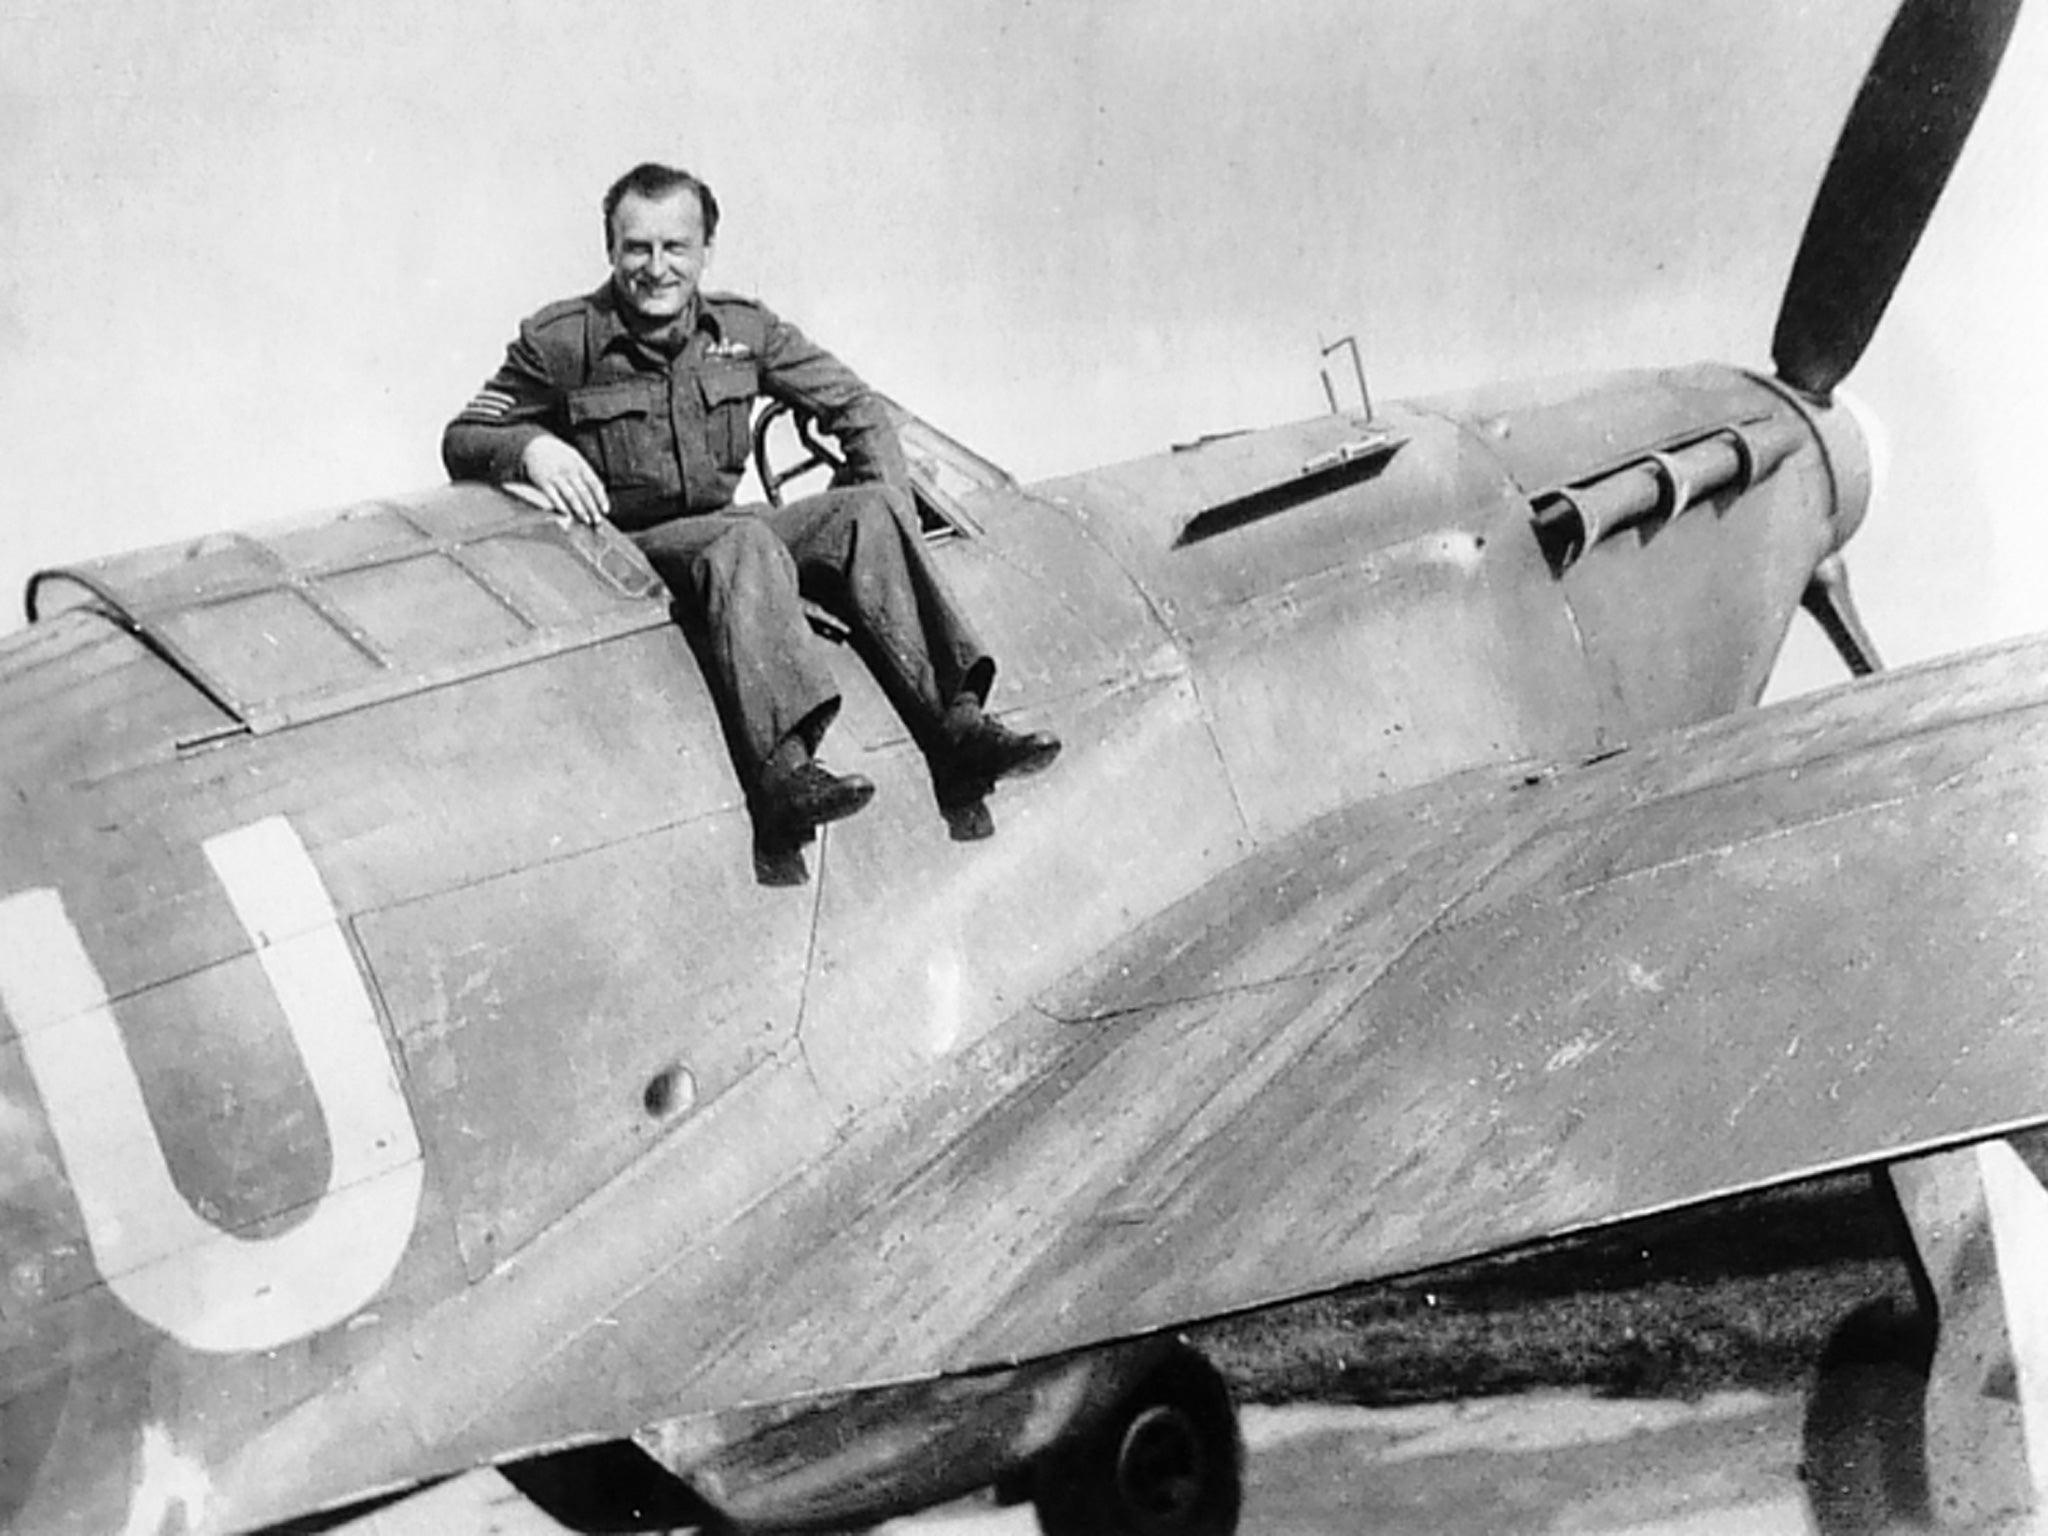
[{"x": 632, "y": 404}]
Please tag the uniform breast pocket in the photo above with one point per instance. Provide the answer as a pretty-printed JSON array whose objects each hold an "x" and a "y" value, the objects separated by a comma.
[
  {"x": 618, "y": 426},
  {"x": 729, "y": 393}
]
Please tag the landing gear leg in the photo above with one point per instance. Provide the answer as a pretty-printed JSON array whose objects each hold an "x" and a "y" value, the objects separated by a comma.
[
  {"x": 1979, "y": 1219},
  {"x": 1167, "y": 1460}
]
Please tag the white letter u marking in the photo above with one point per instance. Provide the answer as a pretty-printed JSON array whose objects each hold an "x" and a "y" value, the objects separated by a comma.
[{"x": 208, "y": 1288}]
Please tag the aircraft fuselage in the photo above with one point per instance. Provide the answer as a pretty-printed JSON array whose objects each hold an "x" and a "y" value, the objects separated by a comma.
[{"x": 398, "y": 1042}]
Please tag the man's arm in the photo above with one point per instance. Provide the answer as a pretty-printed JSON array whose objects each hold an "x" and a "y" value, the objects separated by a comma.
[
  {"x": 506, "y": 433},
  {"x": 797, "y": 370}
]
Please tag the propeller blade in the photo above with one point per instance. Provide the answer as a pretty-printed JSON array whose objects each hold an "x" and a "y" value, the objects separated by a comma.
[{"x": 1911, "y": 118}]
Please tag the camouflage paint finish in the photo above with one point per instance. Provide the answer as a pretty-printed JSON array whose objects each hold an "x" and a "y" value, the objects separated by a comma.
[{"x": 1257, "y": 992}]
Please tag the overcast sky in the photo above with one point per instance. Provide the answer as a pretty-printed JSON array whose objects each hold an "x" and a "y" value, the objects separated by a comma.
[{"x": 255, "y": 254}]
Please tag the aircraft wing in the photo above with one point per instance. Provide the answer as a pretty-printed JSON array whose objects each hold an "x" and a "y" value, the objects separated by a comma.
[
  {"x": 1510, "y": 1004},
  {"x": 1796, "y": 940},
  {"x": 1505, "y": 1006}
]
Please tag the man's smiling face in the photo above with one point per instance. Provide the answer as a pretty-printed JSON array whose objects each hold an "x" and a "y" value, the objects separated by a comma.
[{"x": 658, "y": 252}]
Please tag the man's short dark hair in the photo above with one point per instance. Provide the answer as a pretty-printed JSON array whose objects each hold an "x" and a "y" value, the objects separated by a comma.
[{"x": 653, "y": 181}]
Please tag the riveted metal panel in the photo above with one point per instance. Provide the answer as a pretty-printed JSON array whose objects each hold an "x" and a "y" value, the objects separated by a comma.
[
  {"x": 537, "y": 1009},
  {"x": 314, "y": 618}
]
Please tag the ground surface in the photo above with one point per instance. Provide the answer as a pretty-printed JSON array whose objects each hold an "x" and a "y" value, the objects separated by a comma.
[
  {"x": 1705, "y": 1372},
  {"x": 1549, "y": 1462},
  {"x": 1744, "y": 1295}
]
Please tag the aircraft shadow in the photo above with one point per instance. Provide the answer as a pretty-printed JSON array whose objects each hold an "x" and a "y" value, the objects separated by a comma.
[
  {"x": 613, "y": 1486},
  {"x": 1863, "y": 1443}
]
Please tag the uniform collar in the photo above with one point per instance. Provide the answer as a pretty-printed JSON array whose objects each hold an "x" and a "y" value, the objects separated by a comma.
[{"x": 608, "y": 327}]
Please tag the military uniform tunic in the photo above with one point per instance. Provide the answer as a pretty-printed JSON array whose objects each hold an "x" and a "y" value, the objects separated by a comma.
[{"x": 666, "y": 423}]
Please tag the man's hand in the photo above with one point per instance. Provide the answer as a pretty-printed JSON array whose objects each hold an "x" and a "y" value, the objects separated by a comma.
[{"x": 565, "y": 477}]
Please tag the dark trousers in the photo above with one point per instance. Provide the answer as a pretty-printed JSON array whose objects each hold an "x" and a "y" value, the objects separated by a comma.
[{"x": 856, "y": 552}]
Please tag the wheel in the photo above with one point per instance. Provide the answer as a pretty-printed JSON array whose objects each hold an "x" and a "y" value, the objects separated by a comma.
[{"x": 1167, "y": 1460}]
